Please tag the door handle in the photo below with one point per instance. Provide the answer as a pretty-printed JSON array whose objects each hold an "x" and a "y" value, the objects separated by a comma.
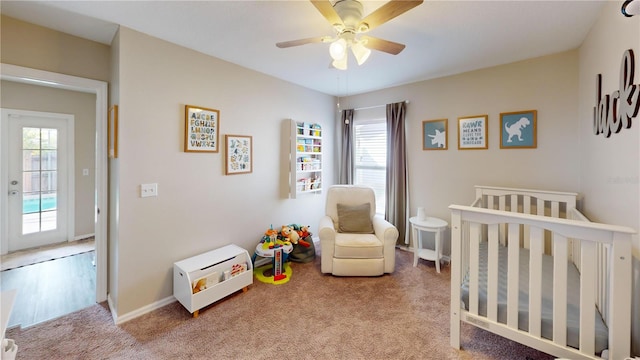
[{"x": 14, "y": 192}]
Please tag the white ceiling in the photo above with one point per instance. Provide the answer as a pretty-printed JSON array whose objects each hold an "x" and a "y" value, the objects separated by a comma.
[{"x": 441, "y": 37}]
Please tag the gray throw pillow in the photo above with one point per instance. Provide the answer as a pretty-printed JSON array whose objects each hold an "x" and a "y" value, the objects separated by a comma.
[{"x": 355, "y": 219}]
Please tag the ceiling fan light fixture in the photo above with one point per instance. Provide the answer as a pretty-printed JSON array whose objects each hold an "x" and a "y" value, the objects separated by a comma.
[
  {"x": 340, "y": 64},
  {"x": 338, "y": 49},
  {"x": 360, "y": 52}
]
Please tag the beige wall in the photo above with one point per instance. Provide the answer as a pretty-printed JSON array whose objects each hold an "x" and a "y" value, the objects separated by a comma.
[
  {"x": 51, "y": 50},
  {"x": 609, "y": 166},
  {"x": 198, "y": 207},
  {"x": 440, "y": 178},
  {"x": 83, "y": 107}
]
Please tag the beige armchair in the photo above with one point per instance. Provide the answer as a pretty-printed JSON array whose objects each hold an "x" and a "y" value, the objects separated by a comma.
[{"x": 353, "y": 240}]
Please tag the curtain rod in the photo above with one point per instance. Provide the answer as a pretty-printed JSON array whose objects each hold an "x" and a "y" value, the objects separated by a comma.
[{"x": 376, "y": 106}]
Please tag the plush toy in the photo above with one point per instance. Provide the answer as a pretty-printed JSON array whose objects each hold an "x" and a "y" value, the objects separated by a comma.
[
  {"x": 304, "y": 231},
  {"x": 289, "y": 234},
  {"x": 304, "y": 243}
]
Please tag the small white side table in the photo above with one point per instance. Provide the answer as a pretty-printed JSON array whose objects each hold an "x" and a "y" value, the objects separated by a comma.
[{"x": 430, "y": 224}]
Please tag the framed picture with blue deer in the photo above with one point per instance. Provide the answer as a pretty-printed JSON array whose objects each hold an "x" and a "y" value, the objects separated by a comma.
[
  {"x": 434, "y": 134},
  {"x": 518, "y": 130}
]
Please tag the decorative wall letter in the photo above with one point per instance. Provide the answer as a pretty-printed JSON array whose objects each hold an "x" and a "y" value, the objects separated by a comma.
[{"x": 617, "y": 110}]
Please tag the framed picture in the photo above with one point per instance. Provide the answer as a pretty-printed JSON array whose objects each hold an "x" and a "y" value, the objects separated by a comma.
[
  {"x": 472, "y": 132},
  {"x": 201, "y": 129},
  {"x": 112, "y": 132},
  {"x": 518, "y": 130},
  {"x": 434, "y": 134},
  {"x": 239, "y": 158}
]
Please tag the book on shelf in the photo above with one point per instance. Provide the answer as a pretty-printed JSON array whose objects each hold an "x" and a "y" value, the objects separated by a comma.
[
  {"x": 205, "y": 282},
  {"x": 238, "y": 269}
]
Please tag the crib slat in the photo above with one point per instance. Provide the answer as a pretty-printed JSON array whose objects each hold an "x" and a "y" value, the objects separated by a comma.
[
  {"x": 514, "y": 275},
  {"x": 456, "y": 278},
  {"x": 490, "y": 202},
  {"x": 540, "y": 207},
  {"x": 587, "y": 298},
  {"x": 555, "y": 213},
  {"x": 526, "y": 202},
  {"x": 555, "y": 209},
  {"x": 474, "y": 255},
  {"x": 560, "y": 289},
  {"x": 492, "y": 273},
  {"x": 502, "y": 205},
  {"x": 601, "y": 268},
  {"x": 535, "y": 281},
  {"x": 620, "y": 295}
]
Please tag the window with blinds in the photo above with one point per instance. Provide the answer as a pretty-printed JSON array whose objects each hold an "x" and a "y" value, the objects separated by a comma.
[{"x": 370, "y": 150}]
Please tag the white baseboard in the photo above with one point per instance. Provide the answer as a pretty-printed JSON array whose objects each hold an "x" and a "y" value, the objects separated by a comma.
[{"x": 138, "y": 312}]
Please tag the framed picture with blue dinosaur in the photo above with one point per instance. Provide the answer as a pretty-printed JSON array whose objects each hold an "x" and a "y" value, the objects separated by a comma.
[
  {"x": 434, "y": 134},
  {"x": 518, "y": 130}
]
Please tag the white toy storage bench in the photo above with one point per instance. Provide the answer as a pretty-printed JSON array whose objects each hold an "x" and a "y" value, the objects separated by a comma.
[{"x": 223, "y": 271}]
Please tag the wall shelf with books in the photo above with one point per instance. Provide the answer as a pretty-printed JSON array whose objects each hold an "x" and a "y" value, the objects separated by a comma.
[
  {"x": 306, "y": 158},
  {"x": 206, "y": 278}
]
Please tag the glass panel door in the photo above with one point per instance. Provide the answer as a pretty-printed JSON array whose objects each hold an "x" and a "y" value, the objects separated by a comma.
[{"x": 39, "y": 179}]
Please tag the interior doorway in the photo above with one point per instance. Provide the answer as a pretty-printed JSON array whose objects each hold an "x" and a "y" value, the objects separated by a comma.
[{"x": 99, "y": 88}]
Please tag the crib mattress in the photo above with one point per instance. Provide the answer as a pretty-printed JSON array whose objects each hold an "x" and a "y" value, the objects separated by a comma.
[{"x": 573, "y": 297}]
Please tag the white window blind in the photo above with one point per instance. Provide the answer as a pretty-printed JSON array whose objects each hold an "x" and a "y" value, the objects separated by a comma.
[{"x": 370, "y": 150}]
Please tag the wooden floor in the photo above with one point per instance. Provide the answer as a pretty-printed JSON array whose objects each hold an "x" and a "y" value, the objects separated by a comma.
[{"x": 51, "y": 289}]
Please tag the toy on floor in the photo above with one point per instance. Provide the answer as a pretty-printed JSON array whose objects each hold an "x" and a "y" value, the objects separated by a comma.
[
  {"x": 277, "y": 265},
  {"x": 304, "y": 251},
  {"x": 302, "y": 234},
  {"x": 289, "y": 234},
  {"x": 276, "y": 246}
]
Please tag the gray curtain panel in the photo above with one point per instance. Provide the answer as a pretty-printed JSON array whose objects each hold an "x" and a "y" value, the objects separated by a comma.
[
  {"x": 346, "y": 155},
  {"x": 397, "y": 178}
]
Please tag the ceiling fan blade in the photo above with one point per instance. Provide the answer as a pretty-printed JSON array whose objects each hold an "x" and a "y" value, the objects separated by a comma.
[
  {"x": 286, "y": 44},
  {"x": 387, "y": 46},
  {"x": 387, "y": 12},
  {"x": 327, "y": 10}
]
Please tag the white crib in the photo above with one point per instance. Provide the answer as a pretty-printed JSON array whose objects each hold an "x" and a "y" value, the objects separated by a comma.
[{"x": 528, "y": 266}]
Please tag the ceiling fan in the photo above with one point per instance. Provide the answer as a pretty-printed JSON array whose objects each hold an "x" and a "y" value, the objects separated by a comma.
[{"x": 346, "y": 18}]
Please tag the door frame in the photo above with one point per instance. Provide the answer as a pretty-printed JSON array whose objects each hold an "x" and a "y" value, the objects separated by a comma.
[
  {"x": 21, "y": 74},
  {"x": 69, "y": 121}
]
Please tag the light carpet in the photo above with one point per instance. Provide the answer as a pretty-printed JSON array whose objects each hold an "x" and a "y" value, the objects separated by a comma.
[
  {"x": 45, "y": 253},
  {"x": 404, "y": 315}
]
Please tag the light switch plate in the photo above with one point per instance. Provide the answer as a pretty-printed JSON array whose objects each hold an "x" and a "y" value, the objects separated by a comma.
[{"x": 147, "y": 190}]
